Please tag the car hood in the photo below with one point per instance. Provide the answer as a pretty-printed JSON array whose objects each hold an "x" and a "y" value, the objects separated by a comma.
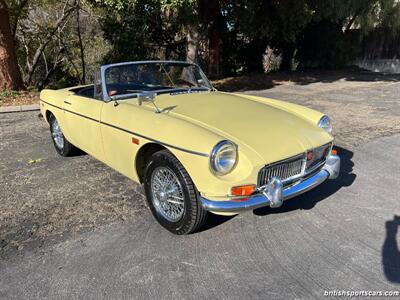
[{"x": 272, "y": 132}]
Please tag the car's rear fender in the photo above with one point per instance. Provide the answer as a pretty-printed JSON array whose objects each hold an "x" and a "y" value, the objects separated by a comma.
[{"x": 52, "y": 102}]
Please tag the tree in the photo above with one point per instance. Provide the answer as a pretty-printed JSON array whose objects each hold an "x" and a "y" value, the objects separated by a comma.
[
  {"x": 142, "y": 30},
  {"x": 166, "y": 24},
  {"x": 185, "y": 14},
  {"x": 61, "y": 43},
  {"x": 68, "y": 9},
  {"x": 334, "y": 35},
  {"x": 10, "y": 76},
  {"x": 211, "y": 16},
  {"x": 80, "y": 43}
]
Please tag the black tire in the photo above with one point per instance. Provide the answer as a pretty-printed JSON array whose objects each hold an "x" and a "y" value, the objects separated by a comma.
[
  {"x": 64, "y": 149},
  {"x": 193, "y": 216}
]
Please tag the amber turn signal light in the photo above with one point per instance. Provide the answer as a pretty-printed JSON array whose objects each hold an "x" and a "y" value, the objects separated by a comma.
[
  {"x": 135, "y": 141},
  {"x": 243, "y": 190},
  {"x": 334, "y": 151}
]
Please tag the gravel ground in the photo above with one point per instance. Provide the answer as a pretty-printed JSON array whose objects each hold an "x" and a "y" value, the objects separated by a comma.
[
  {"x": 339, "y": 236},
  {"x": 45, "y": 196}
]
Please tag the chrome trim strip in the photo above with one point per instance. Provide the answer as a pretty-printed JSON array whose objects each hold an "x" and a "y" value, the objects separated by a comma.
[
  {"x": 305, "y": 185},
  {"x": 130, "y": 132},
  {"x": 313, "y": 168},
  {"x": 257, "y": 201},
  {"x": 51, "y": 104},
  {"x": 72, "y": 112}
]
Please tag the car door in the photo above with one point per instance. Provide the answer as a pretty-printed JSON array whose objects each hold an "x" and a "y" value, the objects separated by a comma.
[
  {"x": 82, "y": 119},
  {"x": 120, "y": 143}
]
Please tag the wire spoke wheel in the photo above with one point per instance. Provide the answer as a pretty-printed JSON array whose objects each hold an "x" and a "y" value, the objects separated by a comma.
[
  {"x": 171, "y": 194},
  {"x": 168, "y": 198},
  {"x": 57, "y": 134}
]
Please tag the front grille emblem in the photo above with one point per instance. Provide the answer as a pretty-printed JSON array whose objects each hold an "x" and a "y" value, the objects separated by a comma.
[{"x": 310, "y": 155}]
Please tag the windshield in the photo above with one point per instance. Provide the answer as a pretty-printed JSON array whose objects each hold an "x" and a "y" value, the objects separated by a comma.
[{"x": 161, "y": 77}]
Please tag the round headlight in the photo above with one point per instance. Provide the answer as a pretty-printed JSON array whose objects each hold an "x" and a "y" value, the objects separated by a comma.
[
  {"x": 325, "y": 123},
  {"x": 223, "y": 158}
]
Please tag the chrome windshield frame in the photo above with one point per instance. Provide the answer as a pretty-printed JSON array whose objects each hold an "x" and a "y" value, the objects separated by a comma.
[{"x": 104, "y": 68}]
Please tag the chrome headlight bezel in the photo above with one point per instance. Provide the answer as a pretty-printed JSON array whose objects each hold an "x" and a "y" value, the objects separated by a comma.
[
  {"x": 215, "y": 163},
  {"x": 325, "y": 123}
]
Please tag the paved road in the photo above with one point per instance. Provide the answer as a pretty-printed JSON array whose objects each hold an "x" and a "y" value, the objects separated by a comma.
[{"x": 342, "y": 235}]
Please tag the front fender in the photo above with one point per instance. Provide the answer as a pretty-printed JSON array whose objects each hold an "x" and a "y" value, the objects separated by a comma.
[
  {"x": 219, "y": 187},
  {"x": 190, "y": 143}
]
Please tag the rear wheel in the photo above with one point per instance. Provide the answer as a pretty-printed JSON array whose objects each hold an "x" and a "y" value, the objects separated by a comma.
[
  {"x": 63, "y": 147},
  {"x": 171, "y": 194}
]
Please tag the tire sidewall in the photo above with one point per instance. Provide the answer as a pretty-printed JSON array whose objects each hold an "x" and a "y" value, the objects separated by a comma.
[
  {"x": 60, "y": 151},
  {"x": 163, "y": 160}
]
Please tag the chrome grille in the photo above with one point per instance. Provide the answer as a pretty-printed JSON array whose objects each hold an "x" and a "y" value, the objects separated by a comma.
[
  {"x": 284, "y": 169},
  {"x": 296, "y": 168}
]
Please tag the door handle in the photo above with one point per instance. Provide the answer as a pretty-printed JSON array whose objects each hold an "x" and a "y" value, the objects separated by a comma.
[{"x": 66, "y": 102}]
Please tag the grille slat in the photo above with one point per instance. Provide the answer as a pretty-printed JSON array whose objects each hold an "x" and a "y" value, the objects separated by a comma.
[{"x": 283, "y": 169}]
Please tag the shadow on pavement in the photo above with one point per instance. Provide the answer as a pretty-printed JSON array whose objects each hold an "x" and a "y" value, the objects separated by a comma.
[
  {"x": 312, "y": 197},
  {"x": 267, "y": 81},
  {"x": 391, "y": 252},
  {"x": 214, "y": 221},
  {"x": 78, "y": 152}
]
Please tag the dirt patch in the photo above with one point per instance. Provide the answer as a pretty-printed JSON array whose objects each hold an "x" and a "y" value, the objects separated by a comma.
[
  {"x": 13, "y": 98},
  {"x": 355, "y": 124}
]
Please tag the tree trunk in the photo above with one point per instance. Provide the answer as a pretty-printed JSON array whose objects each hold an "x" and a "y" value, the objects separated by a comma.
[
  {"x": 210, "y": 14},
  {"x": 287, "y": 57},
  {"x": 17, "y": 16},
  {"x": 10, "y": 76},
  {"x": 214, "y": 53},
  {"x": 82, "y": 53},
  {"x": 192, "y": 40}
]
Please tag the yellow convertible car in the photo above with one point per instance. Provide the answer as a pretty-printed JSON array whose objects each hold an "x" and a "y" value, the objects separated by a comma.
[{"x": 196, "y": 150}]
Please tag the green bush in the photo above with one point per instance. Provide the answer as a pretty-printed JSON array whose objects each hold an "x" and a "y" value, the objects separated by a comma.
[{"x": 8, "y": 94}]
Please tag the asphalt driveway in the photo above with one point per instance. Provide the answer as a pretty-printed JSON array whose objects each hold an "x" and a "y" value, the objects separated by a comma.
[{"x": 73, "y": 228}]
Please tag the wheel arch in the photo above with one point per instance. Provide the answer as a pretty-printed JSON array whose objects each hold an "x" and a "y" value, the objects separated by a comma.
[
  {"x": 143, "y": 155},
  {"x": 47, "y": 115}
]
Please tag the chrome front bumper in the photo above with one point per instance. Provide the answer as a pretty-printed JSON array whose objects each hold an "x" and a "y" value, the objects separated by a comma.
[{"x": 273, "y": 194}]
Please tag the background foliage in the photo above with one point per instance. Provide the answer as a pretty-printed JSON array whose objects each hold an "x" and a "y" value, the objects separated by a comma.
[{"x": 60, "y": 43}]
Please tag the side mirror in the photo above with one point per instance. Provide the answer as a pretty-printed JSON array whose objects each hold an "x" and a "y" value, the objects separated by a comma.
[{"x": 146, "y": 97}]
